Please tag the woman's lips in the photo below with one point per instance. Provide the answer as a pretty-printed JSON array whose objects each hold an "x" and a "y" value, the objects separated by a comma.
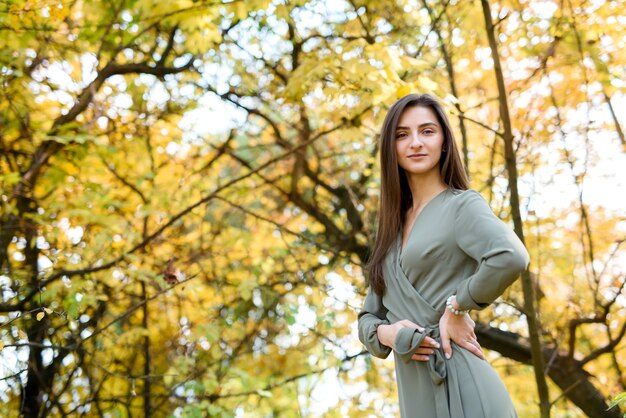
[{"x": 417, "y": 155}]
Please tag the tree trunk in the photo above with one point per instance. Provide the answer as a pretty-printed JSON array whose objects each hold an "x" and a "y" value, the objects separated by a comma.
[
  {"x": 527, "y": 285},
  {"x": 32, "y": 398},
  {"x": 618, "y": 127},
  {"x": 147, "y": 407}
]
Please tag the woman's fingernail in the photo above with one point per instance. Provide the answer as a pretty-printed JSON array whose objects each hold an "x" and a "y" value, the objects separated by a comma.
[{"x": 448, "y": 356}]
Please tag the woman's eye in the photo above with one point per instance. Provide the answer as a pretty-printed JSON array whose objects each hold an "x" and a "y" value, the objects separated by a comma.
[
  {"x": 401, "y": 135},
  {"x": 428, "y": 131}
]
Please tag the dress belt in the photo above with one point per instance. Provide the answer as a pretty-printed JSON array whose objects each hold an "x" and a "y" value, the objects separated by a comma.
[{"x": 407, "y": 342}]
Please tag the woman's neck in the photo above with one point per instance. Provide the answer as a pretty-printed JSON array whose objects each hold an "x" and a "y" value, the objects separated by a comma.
[{"x": 423, "y": 188}]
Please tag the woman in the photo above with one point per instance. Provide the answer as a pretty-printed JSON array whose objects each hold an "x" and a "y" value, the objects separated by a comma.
[{"x": 439, "y": 252}]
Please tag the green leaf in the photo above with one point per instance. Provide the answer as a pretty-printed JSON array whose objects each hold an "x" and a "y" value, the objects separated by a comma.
[
  {"x": 10, "y": 179},
  {"x": 192, "y": 411},
  {"x": 619, "y": 398},
  {"x": 245, "y": 289},
  {"x": 72, "y": 308}
]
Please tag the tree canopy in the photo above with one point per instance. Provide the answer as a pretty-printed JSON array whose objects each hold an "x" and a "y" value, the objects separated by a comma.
[{"x": 189, "y": 192}]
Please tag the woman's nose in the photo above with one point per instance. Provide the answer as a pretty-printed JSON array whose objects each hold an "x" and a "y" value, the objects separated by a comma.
[{"x": 415, "y": 139}]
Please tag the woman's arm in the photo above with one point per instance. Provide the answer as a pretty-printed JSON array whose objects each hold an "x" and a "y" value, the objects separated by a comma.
[
  {"x": 380, "y": 336},
  {"x": 409, "y": 345},
  {"x": 500, "y": 255},
  {"x": 372, "y": 315}
]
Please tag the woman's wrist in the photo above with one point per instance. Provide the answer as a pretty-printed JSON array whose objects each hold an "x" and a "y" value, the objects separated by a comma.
[
  {"x": 453, "y": 306},
  {"x": 382, "y": 335}
]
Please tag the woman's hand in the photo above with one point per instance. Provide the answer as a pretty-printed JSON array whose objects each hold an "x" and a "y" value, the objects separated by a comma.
[
  {"x": 460, "y": 329},
  {"x": 387, "y": 336}
]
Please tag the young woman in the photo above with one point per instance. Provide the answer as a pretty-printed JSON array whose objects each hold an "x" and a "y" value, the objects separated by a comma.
[{"x": 439, "y": 252}]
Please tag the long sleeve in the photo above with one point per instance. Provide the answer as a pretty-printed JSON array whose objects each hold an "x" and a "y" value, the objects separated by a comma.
[
  {"x": 371, "y": 316},
  {"x": 500, "y": 255}
]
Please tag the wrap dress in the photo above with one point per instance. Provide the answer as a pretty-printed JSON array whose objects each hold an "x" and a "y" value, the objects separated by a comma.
[{"x": 456, "y": 245}]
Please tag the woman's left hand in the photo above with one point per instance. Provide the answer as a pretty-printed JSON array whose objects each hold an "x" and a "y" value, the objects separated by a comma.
[{"x": 460, "y": 329}]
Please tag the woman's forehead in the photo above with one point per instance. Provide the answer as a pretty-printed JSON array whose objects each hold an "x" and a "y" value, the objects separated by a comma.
[{"x": 416, "y": 116}]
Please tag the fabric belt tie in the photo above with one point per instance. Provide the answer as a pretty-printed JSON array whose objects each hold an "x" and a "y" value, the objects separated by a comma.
[{"x": 407, "y": 342}]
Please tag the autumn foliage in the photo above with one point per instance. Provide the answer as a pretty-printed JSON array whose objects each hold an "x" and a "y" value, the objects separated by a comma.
[{"x": 188, "y": 191}]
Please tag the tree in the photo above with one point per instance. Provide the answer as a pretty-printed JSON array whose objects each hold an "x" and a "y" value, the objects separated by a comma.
[
  {"x": 149, "y": 268},
  {"x": 511, "y": 167}
]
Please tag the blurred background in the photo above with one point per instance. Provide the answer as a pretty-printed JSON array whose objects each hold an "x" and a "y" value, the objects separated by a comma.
[{"x": 189, "y": 188}]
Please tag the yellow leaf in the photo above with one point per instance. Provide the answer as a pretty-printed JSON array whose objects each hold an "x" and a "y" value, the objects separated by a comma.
[
  {"x": 428, "y": 84},
  {"x": 404, "y": 90},
  {"x": 48, "y": 311},
  {"x": 1, "y": 345},
  {"x": 168, "y": 377},
  {"x": 22, "y": 335},
  {"x": 40, "y": 316},
  {"x": 240, "y": 10},
  {"x": 282, "y": 12}
]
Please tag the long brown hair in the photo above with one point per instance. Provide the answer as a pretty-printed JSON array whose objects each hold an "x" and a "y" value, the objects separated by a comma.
[{"x": 395, "y": 194}]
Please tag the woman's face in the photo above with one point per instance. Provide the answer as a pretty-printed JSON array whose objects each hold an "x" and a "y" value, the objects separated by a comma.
[{"x": 418, "y": 140}]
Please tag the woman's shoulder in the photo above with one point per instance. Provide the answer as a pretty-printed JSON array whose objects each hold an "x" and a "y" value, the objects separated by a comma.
[
  {"x": 469, "y": 198},
  {"x": 467, "y": 194}
]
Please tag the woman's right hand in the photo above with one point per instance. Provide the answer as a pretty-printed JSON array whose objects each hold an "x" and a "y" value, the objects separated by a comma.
[{"x": 387, "y": 336}]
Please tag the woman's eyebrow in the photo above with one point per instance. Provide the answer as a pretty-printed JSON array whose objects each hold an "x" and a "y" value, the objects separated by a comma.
[{"x": 420, "y": 126}]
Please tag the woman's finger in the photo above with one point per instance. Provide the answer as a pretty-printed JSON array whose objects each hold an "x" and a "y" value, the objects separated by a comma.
[
  {"x": 420, "y": 357},
  {"x": 469, "y": 339},
  {"x": 430, "y": 342},
  {"x": 445, "y": 343},
  {"x": 474, "y": 349},
  {"x": 410, "y": 324}
]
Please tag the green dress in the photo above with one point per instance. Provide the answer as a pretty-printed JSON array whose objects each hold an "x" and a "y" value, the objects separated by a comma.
[{"x": 456, "y": 246}]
